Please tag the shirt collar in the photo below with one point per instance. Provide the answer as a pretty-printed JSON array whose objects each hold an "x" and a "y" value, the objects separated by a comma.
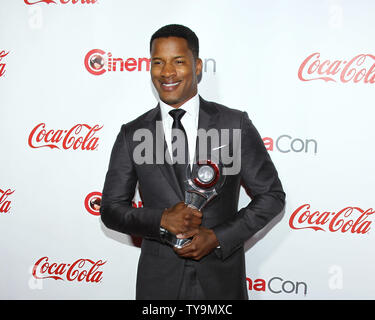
[{"x": 191, "y": 107}]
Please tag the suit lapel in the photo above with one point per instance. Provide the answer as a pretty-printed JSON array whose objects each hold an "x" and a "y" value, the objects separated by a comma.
[
  {"x": 208, "y": 117},
  {"x": 160, "y": 151}
]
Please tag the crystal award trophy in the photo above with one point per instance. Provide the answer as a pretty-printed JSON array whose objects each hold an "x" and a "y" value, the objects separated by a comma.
[{"x": 202, "y": 184}]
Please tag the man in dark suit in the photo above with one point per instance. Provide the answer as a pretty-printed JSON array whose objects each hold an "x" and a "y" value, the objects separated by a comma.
[{"x": 212, "y": 265}]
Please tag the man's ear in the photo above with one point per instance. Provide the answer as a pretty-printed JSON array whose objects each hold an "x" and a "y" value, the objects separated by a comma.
[{"x": 198, "y": 66}]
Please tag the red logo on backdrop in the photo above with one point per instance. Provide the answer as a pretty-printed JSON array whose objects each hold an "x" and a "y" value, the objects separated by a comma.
[
  {"x": 2, "y": 65},
  {"x": 4, "y": 202},
  {"x": 98, "y": 61},
  {"x": 286, "y": 143},
  {"x": 277, "y": 285},
  {"x": 349, "y": 219},
  {"x": 30, "y": 2},
  {"x": 92, "y": 203},
  {"x": 359, "y": 68},
  {"x": 80, "y": 136},
  {"x": 81, "y": 270}
]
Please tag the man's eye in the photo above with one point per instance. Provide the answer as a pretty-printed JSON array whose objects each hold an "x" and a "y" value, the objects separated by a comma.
[
  {"x": 156, "y": 62},
  {"x": 180, "y": 61}
]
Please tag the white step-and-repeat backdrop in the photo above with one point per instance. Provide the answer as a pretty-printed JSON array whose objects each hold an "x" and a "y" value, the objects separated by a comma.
[{"x": 73, "y": 71}]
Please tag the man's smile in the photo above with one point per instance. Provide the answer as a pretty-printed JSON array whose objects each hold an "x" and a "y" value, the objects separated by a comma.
[{"x": 170, "y": 86}]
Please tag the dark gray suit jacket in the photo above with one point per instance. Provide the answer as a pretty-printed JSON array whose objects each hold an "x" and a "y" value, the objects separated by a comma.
[{"x": 160, "y": 269}]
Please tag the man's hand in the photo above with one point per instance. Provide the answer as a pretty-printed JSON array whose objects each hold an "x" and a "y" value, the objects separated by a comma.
[
  {"x": 181, "y": 220},
  {"x": 202, "y": 244}
]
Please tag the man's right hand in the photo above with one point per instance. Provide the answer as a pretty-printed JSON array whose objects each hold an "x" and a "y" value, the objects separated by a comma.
[{"x": 181, "y": 220}]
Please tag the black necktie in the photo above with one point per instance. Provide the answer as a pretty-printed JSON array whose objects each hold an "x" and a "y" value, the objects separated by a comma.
[{"x": 179, "y": 145}]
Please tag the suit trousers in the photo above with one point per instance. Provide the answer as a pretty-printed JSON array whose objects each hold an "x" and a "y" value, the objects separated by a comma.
[{"x": 190, "y": 288}]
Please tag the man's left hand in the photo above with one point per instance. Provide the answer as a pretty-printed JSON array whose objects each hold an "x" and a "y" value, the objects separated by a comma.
[{"x": 201, "y": 245}]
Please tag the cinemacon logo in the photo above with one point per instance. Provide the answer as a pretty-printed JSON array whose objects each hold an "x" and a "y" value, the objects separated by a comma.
[
  {"x": 80, "y": 136},
  {"x": 360, "y": 68},
  {"x": 352, "y": 220},
  {"x": 31, "y": 2},
  {"x": 277, "y": 285},
  {"x": 286, "y": 143},
  {"x": 98, "y": 62},
  {"x": 81, "y": 270},
  {"x": 93, "y": 201}
]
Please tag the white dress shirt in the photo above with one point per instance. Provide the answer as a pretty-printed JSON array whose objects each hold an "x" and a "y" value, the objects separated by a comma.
[{"x": 189, "y": 121}]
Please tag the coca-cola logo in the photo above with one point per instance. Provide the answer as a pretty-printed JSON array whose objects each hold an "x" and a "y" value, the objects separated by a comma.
[
  {"x": 360, "y": 68},
  {"x": 80, "y": 270},
  {"x": 3, "y": 54},
  {"x": 31, "y": 2},
  {"x": 92, "y": 203},
  {"x": 80, "y": 136},
  {"x": 347, "y": 220},
  {"x": 4, "y": 201}
]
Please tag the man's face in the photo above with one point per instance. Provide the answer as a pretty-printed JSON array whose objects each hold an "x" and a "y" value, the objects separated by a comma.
[{"x": 174, "y": 71}]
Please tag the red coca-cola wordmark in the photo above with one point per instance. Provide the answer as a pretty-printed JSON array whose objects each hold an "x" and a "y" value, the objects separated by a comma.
[
  {"x": 360, "y": 68},
  {"x": 31, "y": 2},
  {"x": 347, "y": 220},
  {"x": 4, "y": 202},
  {"x": 80, "y": 136},
  {"x": 80, "y": 270},
  {"x": 3, "y": 54}
]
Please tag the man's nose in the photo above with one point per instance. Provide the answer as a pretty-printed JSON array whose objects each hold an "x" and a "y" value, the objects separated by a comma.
[{"x": 168, "y": 70}]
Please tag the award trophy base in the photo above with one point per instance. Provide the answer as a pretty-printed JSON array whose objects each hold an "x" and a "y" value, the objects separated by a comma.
[{"x": 171, "y": 239}]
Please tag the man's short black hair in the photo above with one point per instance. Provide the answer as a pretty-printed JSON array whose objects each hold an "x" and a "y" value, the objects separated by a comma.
[{"x": 180, "y": 31}]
